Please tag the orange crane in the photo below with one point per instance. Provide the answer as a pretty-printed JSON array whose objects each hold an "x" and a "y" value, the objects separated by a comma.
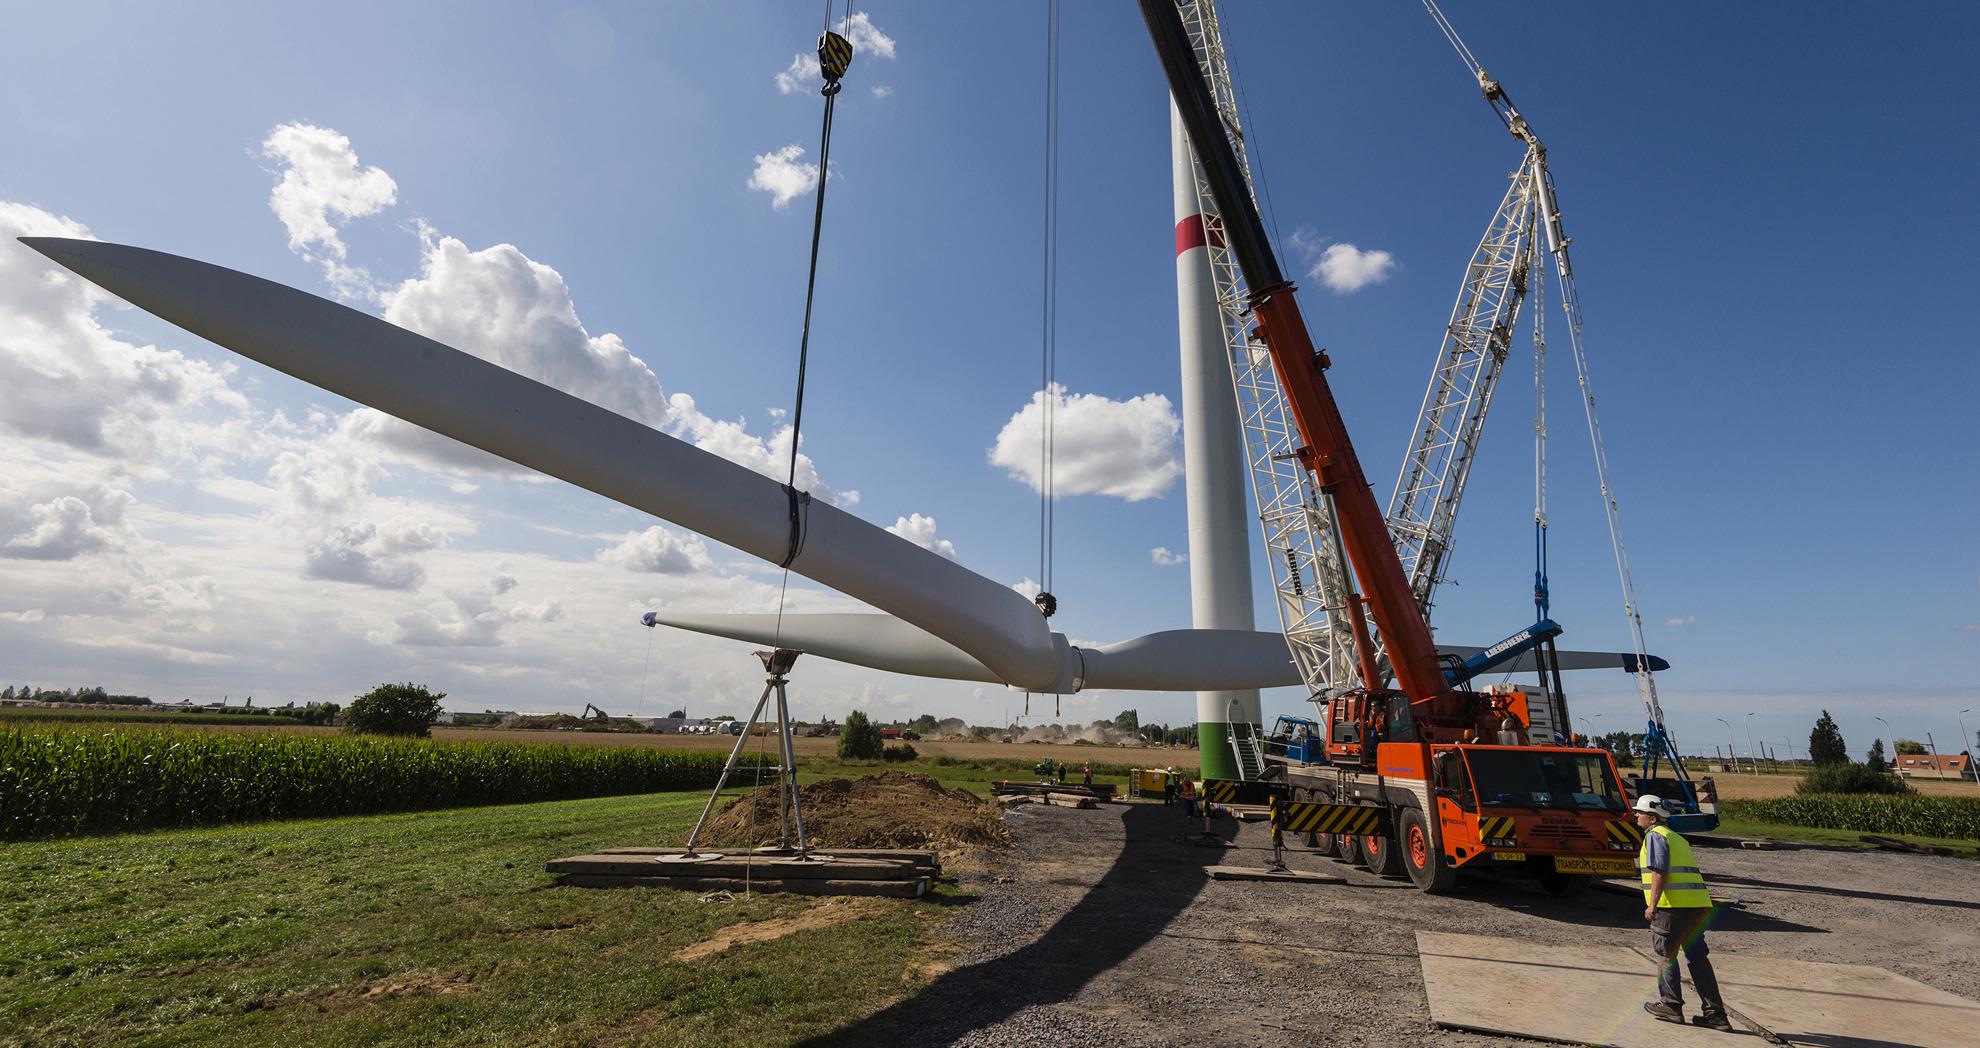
[{"x": 1402, "y": 783}]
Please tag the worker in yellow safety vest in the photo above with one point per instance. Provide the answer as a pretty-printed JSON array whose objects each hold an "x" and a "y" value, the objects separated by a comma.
[{"x": 1679, "y": 910}]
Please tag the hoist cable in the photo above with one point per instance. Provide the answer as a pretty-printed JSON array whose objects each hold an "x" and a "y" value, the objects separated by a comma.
[
  {"x": 1049, "y": 302},
  {"x": 830, "y": 71}
]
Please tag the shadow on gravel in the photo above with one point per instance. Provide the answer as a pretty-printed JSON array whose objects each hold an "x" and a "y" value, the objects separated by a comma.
[
  {"x": 1140, "y": 894},
  {"x": 1599, "y": 909},
  {"x": 1843, "y": 893}
]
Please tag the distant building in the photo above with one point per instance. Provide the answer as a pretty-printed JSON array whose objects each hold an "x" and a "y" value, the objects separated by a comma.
[{"x": 1926, "y": 766}]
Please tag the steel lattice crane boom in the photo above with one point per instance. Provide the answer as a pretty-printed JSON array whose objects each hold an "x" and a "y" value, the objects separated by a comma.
[{"x": 1539, "y": 207}]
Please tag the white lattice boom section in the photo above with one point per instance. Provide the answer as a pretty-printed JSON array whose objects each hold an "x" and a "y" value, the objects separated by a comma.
[{"x": 1423, "y": 511}]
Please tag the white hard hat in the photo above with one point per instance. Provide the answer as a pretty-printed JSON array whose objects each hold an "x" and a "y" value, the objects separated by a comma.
[{"x": 1651, "y": 803}]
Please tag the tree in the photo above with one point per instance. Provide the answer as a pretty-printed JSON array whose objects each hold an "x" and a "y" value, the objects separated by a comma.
[
  {"x": 394, "y": 709},
  {"x": 1910, "y": 747},
  {"x": 1875, "y": 760},
  {"x": 1825, "y": 743},
  {"x": 1128, "y": 720},
  {"x": 860, "y": 738},
  {"x": 677, "y": 715},
  {"x": 1617, "y": 743}
]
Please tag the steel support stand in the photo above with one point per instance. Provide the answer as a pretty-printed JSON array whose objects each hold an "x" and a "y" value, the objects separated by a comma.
[{"x": 777, "y": 664}]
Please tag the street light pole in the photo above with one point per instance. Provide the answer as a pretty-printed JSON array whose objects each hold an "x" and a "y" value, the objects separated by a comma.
[
  {"x": 1732, "y": 744},
  {"x": 1749, "y": 745},
  {"x": 1892, "y": 735},
  {"x": 1966, "y": 746}
]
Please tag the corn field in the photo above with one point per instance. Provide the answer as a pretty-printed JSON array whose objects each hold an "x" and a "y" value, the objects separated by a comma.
[
  {"x": 59, "y": 780},
  {"x": 1948, "y": 817}
]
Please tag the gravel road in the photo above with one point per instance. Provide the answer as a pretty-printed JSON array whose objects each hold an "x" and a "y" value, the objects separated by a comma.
[{"x": 1099, "y": 929}]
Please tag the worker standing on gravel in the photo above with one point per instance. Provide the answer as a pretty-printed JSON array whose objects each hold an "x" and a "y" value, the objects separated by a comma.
[
  {"x": 1186, "y": 791},
  {"x": 1086, "y": 773},
  {"x": 1679, "y": 910}
]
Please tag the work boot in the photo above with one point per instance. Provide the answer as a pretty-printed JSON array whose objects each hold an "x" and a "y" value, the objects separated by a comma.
[
  {"x": 1713, "y": 1022},
  {"x": 1664, "y": 1011}
]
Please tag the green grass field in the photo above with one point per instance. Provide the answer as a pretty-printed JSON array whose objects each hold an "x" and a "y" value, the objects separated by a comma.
[{"x": 431, "y": 928}]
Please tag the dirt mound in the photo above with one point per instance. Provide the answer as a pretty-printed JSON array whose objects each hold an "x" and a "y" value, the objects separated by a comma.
[{"x": 894, "y": 809}]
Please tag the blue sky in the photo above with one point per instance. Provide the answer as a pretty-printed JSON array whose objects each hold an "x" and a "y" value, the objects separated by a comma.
[{"x": 1772, "y": 218}]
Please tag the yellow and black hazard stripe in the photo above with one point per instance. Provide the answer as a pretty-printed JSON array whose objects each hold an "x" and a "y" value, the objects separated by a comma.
[
  {"x": 1309, "y": 817},
  {"x": 835, "y": 54},
  {"x": 1625, "y": 833},
  {"x": 1496, "y": 830},
  {"x": 1222, "y": 791}
]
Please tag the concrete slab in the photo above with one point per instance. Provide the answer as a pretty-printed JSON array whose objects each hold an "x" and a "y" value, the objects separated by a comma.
[
  {"x": 1252, "y": 873},
  {"x": 1595, "y": 994},
  {"x": 743, "y": 865},
  {"x": 909, "y": 889}
]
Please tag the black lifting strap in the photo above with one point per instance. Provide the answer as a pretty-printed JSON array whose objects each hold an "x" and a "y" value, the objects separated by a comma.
[
  {"x": 800, "y": 523},
  {"x": 834, "y": 55}
]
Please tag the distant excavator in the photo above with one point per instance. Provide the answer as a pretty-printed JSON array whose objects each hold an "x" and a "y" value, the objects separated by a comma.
[{"x": 593, "y": 713}]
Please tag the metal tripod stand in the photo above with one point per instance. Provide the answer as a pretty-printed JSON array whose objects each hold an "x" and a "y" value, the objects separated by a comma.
[{"x": 777, "y": 664}]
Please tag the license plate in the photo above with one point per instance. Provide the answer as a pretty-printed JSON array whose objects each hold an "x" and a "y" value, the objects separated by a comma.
[
  {"x": 1607, "y": 867},
  {"x": 1509, "y": 856}
]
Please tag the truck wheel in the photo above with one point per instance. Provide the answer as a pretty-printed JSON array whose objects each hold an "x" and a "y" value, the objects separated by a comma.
[
  {"x": 1379, "y": 855},
  {"x": 1564, "y": 885},
  {"x": 1327, "y": 844},
  {"x": 1420, "y": 855},
  {"x": 1350, "y": 848}
]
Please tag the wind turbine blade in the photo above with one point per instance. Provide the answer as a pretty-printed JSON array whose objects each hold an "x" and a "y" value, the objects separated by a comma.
[
  {"x": 453, "y": 393},
  {"x": 1570, "y": 660},
  {"x": 1172, "y": 660}
]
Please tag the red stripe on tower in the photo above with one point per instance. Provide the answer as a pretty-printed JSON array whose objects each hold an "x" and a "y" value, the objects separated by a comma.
[{"x": 1191, "y": 233}]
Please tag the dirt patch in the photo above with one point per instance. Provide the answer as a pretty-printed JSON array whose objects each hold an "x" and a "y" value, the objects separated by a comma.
[
  {"x": 824, "y": 914},
  {"x": 895, "y": 809}
]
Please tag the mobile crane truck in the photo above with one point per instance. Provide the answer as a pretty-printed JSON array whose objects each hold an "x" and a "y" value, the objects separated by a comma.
[{"x": 1428, "y": 777}]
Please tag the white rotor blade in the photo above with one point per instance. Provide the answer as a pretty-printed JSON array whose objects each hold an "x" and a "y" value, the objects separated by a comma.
[
  {"x": 453, "y": 393},
  {"x": 1172, "y": 660}
]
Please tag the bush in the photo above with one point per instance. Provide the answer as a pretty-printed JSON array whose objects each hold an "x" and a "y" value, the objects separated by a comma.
[
  {"x": 1850, "y": 778},
  {"x": 860, "y": 738},
  {"x": 1948, "y": 817},
  {"x": 57, "y": 781},
  {"x": 899, "y": 754},
  {"x": 394, "y": 709}
]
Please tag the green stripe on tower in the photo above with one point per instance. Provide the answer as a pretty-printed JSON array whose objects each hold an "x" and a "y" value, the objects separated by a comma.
[{"x": 1213, "y": 751}]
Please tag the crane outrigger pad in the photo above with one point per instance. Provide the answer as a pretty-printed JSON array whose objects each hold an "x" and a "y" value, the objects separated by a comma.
[{"x": 1595, "y": 995}]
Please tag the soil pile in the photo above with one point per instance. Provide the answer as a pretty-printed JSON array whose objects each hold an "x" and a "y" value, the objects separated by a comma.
[{"x": 895, "y": 809}]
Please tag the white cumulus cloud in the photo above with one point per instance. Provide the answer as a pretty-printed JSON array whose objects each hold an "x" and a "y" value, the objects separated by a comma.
[
  {"x": 1341, "y": 266},
  {"x": 1100, "y": 446},
  {"x": 1346, "y": 268},
  {"x": 784, "y": 175},
  {"x": 659, "y": 550},
  {"x": 920, "y": 530},
  {"x": 68, "y": 526},
  {"x": 322, "y": 186},
  {"x": 472, "y": 619},
  {"x": 1166, "y": 557},
  {"x": 1685, "y": 620}
]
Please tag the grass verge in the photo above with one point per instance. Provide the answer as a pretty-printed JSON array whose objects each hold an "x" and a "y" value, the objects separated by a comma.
[
  {"x": 1733, "y": 826},
  {"x": 434, "y": 928}
]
